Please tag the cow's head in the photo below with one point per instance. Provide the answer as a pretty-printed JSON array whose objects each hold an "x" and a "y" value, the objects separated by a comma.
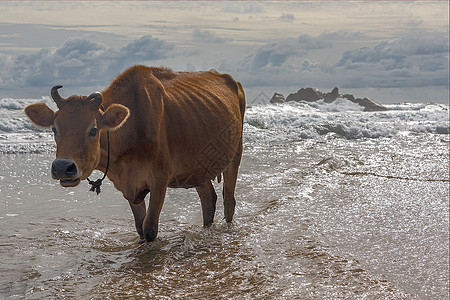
[{"x": 77, "y": 126}]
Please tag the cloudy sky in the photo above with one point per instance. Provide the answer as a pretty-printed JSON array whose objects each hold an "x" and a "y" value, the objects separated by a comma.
[{"x": 388, "y": 51}]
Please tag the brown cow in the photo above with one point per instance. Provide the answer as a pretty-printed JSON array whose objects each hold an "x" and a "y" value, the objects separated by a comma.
[{"x": 167, "y": 129}]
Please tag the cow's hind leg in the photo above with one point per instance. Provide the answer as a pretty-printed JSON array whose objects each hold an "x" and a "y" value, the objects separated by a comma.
[
  {"x": 229, "y": 184},
  {"x": 208, "y": 197}
]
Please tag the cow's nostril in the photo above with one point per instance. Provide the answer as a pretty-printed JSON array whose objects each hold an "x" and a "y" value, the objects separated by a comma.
[{"x": 71, "y": 169}]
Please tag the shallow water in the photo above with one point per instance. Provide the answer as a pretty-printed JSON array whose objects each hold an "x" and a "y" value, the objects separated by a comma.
[
  {"x": 332, "y": 203},
  {"x": 314, "y": 220}
]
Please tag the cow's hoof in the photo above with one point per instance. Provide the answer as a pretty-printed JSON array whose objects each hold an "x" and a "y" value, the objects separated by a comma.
[
  {"x": 141, "y": 240},
  {"x": 150, "y": 235}
]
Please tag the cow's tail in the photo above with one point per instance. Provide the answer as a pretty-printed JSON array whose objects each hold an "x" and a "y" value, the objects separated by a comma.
[
  {"x": 237, "y": 87},
  {"x": 241, "y": 97}
]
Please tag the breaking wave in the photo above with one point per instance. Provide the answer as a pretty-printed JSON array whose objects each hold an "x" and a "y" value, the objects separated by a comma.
[
  {"x": 298, "y": 121},
  {"x": 279, "y": 123}
]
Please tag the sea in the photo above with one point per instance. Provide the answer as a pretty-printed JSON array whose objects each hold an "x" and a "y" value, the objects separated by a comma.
[{"x": 332, "y": 203}]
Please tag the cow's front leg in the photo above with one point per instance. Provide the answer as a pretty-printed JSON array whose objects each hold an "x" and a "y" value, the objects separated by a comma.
[
  {"x": 150, "y": 227},
  {"x": 139, "y": 216}
]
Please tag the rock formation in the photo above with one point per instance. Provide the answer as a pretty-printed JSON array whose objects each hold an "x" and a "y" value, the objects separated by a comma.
[
  {"x": 306, "y": 94},
  {"x": 369, "y": 104},
  {"x": 330, "y": 97},
  {"x": 312, "y": 94},
  {"x": 277, "y": 98}
]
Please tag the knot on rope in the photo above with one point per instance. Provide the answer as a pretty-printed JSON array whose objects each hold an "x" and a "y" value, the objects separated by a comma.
[{"x": 95, "y": 185}]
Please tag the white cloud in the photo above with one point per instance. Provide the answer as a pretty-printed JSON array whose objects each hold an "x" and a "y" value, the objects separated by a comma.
[
  {"x": 206, "y": 36},
  {"x": 272, "y": 55},
  {"x": 410, "y": 61},
  {"x": 414, "y": 59},
  {"x": 24, "y": 38},
  {"x": 421, "y": 44},
  {"x": 418, "y": 59},
  {"x": 79, "y": 62},
  {"x": 283, "y": 52},
  {"x": 308, "y": 42},
  {"x": 146, "y": 48},
  {"x": 77, "y": 47},
  {"x": 309, "y": 65}
]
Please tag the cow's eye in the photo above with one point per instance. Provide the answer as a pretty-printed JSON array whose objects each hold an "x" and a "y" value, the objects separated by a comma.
[
  {"x": 55, "y": 132},
  {"x": 93, "y": 132}
]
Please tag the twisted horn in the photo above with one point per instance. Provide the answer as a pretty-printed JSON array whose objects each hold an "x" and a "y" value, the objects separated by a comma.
[
  {"x": 95, "y": 98},
  {"x": 55, "y": 95},
  {"x": 95, "y": 95}
]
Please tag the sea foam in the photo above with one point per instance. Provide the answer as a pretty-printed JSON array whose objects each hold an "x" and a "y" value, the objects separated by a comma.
[
  {"x": 342, "y": 118},
  {"x": 271, "y": 123}
]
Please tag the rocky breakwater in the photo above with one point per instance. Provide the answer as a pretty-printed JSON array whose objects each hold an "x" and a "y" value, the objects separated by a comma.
[{"x": 312, "y": 95}]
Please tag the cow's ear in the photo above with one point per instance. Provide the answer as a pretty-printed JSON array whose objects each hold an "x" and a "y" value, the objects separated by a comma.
[
  {"x": 114, "y": 116},
  {"x": 40, "y": 114}
]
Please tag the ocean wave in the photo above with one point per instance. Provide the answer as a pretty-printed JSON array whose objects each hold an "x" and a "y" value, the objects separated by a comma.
[
  {"x": 272, "y": 123},
  {"x": 17, "y": 124},
  {"x": 297, "y": 121},
  {"x": 13, "y": 118},
  {"x": 19, "y": 104}
]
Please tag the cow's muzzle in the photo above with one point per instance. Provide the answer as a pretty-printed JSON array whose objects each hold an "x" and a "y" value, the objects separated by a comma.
[{"x": 66, "y": 170}]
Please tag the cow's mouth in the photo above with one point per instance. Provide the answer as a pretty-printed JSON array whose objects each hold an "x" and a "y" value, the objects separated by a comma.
[{"x": 69, "y": 182}]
